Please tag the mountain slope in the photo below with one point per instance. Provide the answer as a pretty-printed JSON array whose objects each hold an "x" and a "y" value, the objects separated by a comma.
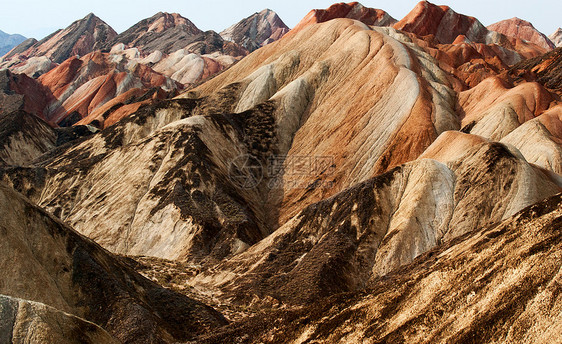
[
  {"x": 28, "y": 321},
  {"x": 52, "y": 264},
  {"x": 545, "y": 69},
  {"x": 556, "y": 37},
  {"x": 7, "y": 42},
  {"x": 522, "y": 29},
  {"x": 498, "y": 283},
  {"x": 80, "y": 38},
  {"x": 256, "y": 30}
]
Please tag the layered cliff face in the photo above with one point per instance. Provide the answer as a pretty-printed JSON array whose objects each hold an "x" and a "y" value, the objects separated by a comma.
[
  {"x": 80, "y": 38},
  {"x": 257, "y": 30},
  {"x": 545, "y": 69},
  {"x": 522, "y": 29}
]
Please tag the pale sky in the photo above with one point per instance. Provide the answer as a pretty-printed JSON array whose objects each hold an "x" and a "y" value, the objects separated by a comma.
[{"x": 38, "y": 18}]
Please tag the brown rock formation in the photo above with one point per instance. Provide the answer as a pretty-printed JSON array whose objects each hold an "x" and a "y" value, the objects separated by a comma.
[
  {"x": 498, "y": 283},
  {"x": 545, "y": 69},
  {"x": 27, "y": 321},
  {"x": 522, "y": 29}
]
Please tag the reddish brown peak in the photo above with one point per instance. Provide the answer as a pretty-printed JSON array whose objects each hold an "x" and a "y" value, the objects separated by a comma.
[
  {"x": 522, "y": 29},
  {"x": 352, "y": 10},
  {"x": 442, "y": 22}
]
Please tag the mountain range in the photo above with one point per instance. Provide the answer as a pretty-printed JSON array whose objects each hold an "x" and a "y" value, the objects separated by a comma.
[
  {"x": 354, "y": 179},
  {"x": 7, "y": 42}
]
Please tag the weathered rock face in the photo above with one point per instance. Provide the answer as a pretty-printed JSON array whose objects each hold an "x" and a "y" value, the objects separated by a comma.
[
  {"x": 352, "y": 10},
  {"x": 183, "y": 65},
  {"x": 32, "y": 67},
  {"x": 80, "y": 38},
  {"x": 522, "y": 29},
  {"x": 545, "y": 69},
  {"x": 556, "y": 37},
  {"x": 279, "y": 110},
  {"x": 167, "y": 33},
  {"x": 257, "y": 30},
  {"x": 499, "y": 283},
  {"x": 50, "y": 263},
  {"x": 7, "y": 42},
  {"x": 27, "y": 321}
]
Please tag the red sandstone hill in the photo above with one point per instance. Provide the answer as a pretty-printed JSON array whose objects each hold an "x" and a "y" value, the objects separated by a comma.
[{"x": 522, "y": 29}]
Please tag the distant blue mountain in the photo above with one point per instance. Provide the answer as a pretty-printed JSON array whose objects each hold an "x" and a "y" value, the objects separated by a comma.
[{"x": 7, "y": 42}]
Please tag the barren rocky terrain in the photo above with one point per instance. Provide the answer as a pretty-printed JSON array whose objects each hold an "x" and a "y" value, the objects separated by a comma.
[{"x": 354, "y": 179}]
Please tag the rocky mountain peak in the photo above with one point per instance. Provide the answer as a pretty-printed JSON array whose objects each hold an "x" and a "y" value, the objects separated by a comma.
[
  {"x": 519, "y": 28},
  {"x": 256, "y": 30}
]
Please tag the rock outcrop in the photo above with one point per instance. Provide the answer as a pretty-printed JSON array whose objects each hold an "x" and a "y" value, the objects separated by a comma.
[
  {"x": 257, "y": 30},
  {"x": 522, "y": 29},
  {"x": 445, "y": 26},
  {"x": 23, "y": 138},
  {"x": 374, "y": 227},
  {"x": 19, "y": 92}
]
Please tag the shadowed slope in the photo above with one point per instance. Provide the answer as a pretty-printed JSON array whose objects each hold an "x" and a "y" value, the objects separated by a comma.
[
  {"x": 50, "y": 263},
  {"x": 498, "y": 283}
]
